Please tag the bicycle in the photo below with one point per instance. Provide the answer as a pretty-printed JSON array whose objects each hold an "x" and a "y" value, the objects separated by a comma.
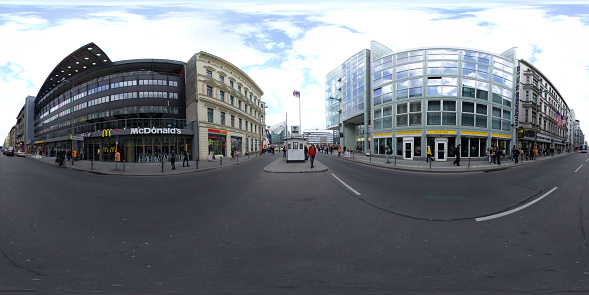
[{"x": 60, "y": 162}]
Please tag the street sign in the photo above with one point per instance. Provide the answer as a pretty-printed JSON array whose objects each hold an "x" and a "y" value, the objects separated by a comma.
[{"x": 79, "y": 138}]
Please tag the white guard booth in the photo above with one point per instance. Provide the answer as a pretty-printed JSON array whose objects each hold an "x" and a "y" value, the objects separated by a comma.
[{"x": 295, "y": 150}]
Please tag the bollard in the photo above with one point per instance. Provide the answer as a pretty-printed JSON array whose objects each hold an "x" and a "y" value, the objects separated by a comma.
[
  {"x": 196, "y": 164},
  {"x": 395, "y": 156},
  {"x": 221, "y": 161},
  {"x": 92, "y": 163},
  {"x": 124, "y": 165},
  {"x": 468, "y": 162},
  {"x": 162, "y": 164},
  {"x": 370, "y": 154},
  {"x": 430, "y": 163}
]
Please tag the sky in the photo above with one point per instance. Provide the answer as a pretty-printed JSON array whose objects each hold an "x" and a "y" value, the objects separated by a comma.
[{"x": 287, "y": 45}]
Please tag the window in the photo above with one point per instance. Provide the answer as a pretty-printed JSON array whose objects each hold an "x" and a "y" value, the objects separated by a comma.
[
  {"x": 382, "y": 77},
  {"x": 231, "y": 99},
  {"x": 409, "y": 70},
  {"x": 209, "y": 91},
  {"x": 239, "y": 89},
  {"x": 231, "y": 84},
  {"x": 437, "y": 86},
  {"x": 382, "y": 63},
  {"x": 501, "y": 119},
  {"x": 410, "y": 56},
  {"x": 210, "y": 115},
  {"x": 409, "y": 114},
  {"x": 222, "y": 118},
  {"x": 245, "y": 125},
  {"x": 240, "y": 121},
  {"x": 441, "y": 112},
  {"x": 383, "y": 94},
  {"x": 475, "y": 71},
  {"x": 410, "y": 88},
  {"x": 475, "y": 89},
  {"x": 222, "y": 79},
  {"x": 442, "y": 68},
  {"x": 209, "y": 74},
  {"x": 222, "y": 95},
  {"x": 502, "y": 78},
  {"x": 232, "y": 121},
  {"x": 474, "y": 114},
  {"x": 476, "y": 57},
  {"x": 502, "y": 95},
  {"x": 239, "y": 104},
  {"x": 442, "y": 54}
]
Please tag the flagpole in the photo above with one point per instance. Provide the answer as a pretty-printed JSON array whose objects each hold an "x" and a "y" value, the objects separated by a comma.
[{"x": 300, "y": 121}]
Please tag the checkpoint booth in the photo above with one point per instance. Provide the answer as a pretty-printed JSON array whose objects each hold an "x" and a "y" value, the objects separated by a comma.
[{"x": 295, "y": 150}]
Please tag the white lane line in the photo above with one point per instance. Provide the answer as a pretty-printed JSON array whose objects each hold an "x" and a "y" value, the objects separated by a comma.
[
  {"x": 356, "y": 192},
  {"x": 579, "y": 168},
  {"x": 515, "y": 209}
]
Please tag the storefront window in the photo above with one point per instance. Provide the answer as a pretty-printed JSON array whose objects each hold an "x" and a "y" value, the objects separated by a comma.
[
  {"x": 417, "y": 148},
  {"x": 217, "y": 144},
  {"x": 236, "y": 145}
]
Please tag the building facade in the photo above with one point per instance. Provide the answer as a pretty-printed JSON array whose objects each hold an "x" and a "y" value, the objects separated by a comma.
[
  {"x": 437, "y": 97},
  {"x": 227, "y": 106},
  {"x": 542, "y": 114},
  {"x": 133, "y": 110}
]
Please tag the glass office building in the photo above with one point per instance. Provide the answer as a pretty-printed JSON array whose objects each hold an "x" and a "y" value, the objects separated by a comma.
[{"x": 437, "y": 96}]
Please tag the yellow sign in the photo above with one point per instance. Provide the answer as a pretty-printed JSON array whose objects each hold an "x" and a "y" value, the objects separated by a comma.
[
  {"x": 383, "y": 134},
  {"x": 408, "y": 132},
  {"x": 473, "y": 133},
  {"x": 440, "y": 132},
  {"x": 362, "y": 139},
  {"x": 106, "y": 132},
  {"x": 500, "y": 135}
]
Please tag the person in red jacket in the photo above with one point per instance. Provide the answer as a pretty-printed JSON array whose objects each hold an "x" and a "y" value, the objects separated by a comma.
[{"x": 312, "y": 153}]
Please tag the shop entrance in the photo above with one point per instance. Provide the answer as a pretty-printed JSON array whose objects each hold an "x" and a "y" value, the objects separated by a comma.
[
  {"x": 408, "y": 148},
  {"x": 441, "y": 149}
]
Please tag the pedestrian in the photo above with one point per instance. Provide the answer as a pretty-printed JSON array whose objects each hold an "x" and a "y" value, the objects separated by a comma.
[
  {"x": 284, "y": 152},
  {"x": 457, "y": 161},
  {"x": 312, "y": 153},
  {"x": 339, "y": 150},
  {"x": 498, "y": 155},
  {"x": 388, "y": 152},
  {"x": 185, "y": 154},
  {"x": 515, "y": 154},
  {"x": 306, "y": 153},
  {"x": 173, "y": 160},
  {"x": 429, "y": 154}
]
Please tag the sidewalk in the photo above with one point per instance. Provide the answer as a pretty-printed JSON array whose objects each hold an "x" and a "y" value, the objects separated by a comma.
[
  {"x": 146, "y": 169},
  {"x": 466, "y": 164}
]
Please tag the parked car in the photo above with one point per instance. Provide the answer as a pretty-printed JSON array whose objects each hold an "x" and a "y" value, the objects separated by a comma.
[
  {"x": 21, "y": 153},
  {"x": 10, "y": 151}
]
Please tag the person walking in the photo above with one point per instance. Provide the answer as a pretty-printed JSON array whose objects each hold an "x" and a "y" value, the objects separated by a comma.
[
  {"x": 339, "y": 151},
  {"x": 312, "y": 153},
  {"x": 173, "y": 160},
  {"x": 185, "y": 154},
  {"x": 284, "y": 152},
  {"x": 388, "y": 152},
  {"x": 457, "y": 161},
  {"x": 515, "y": 154},
  {"x": 498, "y": 152},
  {"x": 306, "y": 153},
  {"x": 429, "y": 154}
]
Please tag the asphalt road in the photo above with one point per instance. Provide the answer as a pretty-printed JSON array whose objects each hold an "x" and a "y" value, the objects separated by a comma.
[{"x": 241, "y": 230}]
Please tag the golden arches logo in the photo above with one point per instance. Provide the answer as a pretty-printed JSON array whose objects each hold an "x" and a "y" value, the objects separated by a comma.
[{"x": 106, "y": 132}]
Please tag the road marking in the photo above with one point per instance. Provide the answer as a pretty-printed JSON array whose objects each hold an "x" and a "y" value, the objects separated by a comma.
[
  {"x": 539, "y": 178},
  {"x": 515, "y": 209},
  {"x": 350, "y": 188},
  {"x": 579, "y": 168},
  {"x": 445, "y": 197}
]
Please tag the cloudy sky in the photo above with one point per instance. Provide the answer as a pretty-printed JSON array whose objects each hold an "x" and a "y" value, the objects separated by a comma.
[{"x": 287, "y": 45}]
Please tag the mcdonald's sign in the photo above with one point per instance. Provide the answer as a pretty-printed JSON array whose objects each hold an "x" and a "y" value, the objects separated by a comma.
[
  {"x": 106, "y": 132},
  {"x": 108, "y": 149}
]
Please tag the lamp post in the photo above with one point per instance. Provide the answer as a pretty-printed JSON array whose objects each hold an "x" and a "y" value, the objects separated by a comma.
[{"x": 262, "y": 124}]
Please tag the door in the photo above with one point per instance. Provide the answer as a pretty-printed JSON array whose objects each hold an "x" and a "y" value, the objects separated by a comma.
[
  {"x": 441, "y": 149},
  {"x": 408, "y": 148}
]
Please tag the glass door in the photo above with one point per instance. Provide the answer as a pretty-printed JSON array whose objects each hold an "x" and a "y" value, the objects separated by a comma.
[
  {"x": 441, "y": 149},
  {"x": 408, "y": 148}
]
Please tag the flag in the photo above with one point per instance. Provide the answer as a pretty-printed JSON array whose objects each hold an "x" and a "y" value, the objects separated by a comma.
[
  {"x": 559, "y": 119},
  {"x": 296, "y": 93}
]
